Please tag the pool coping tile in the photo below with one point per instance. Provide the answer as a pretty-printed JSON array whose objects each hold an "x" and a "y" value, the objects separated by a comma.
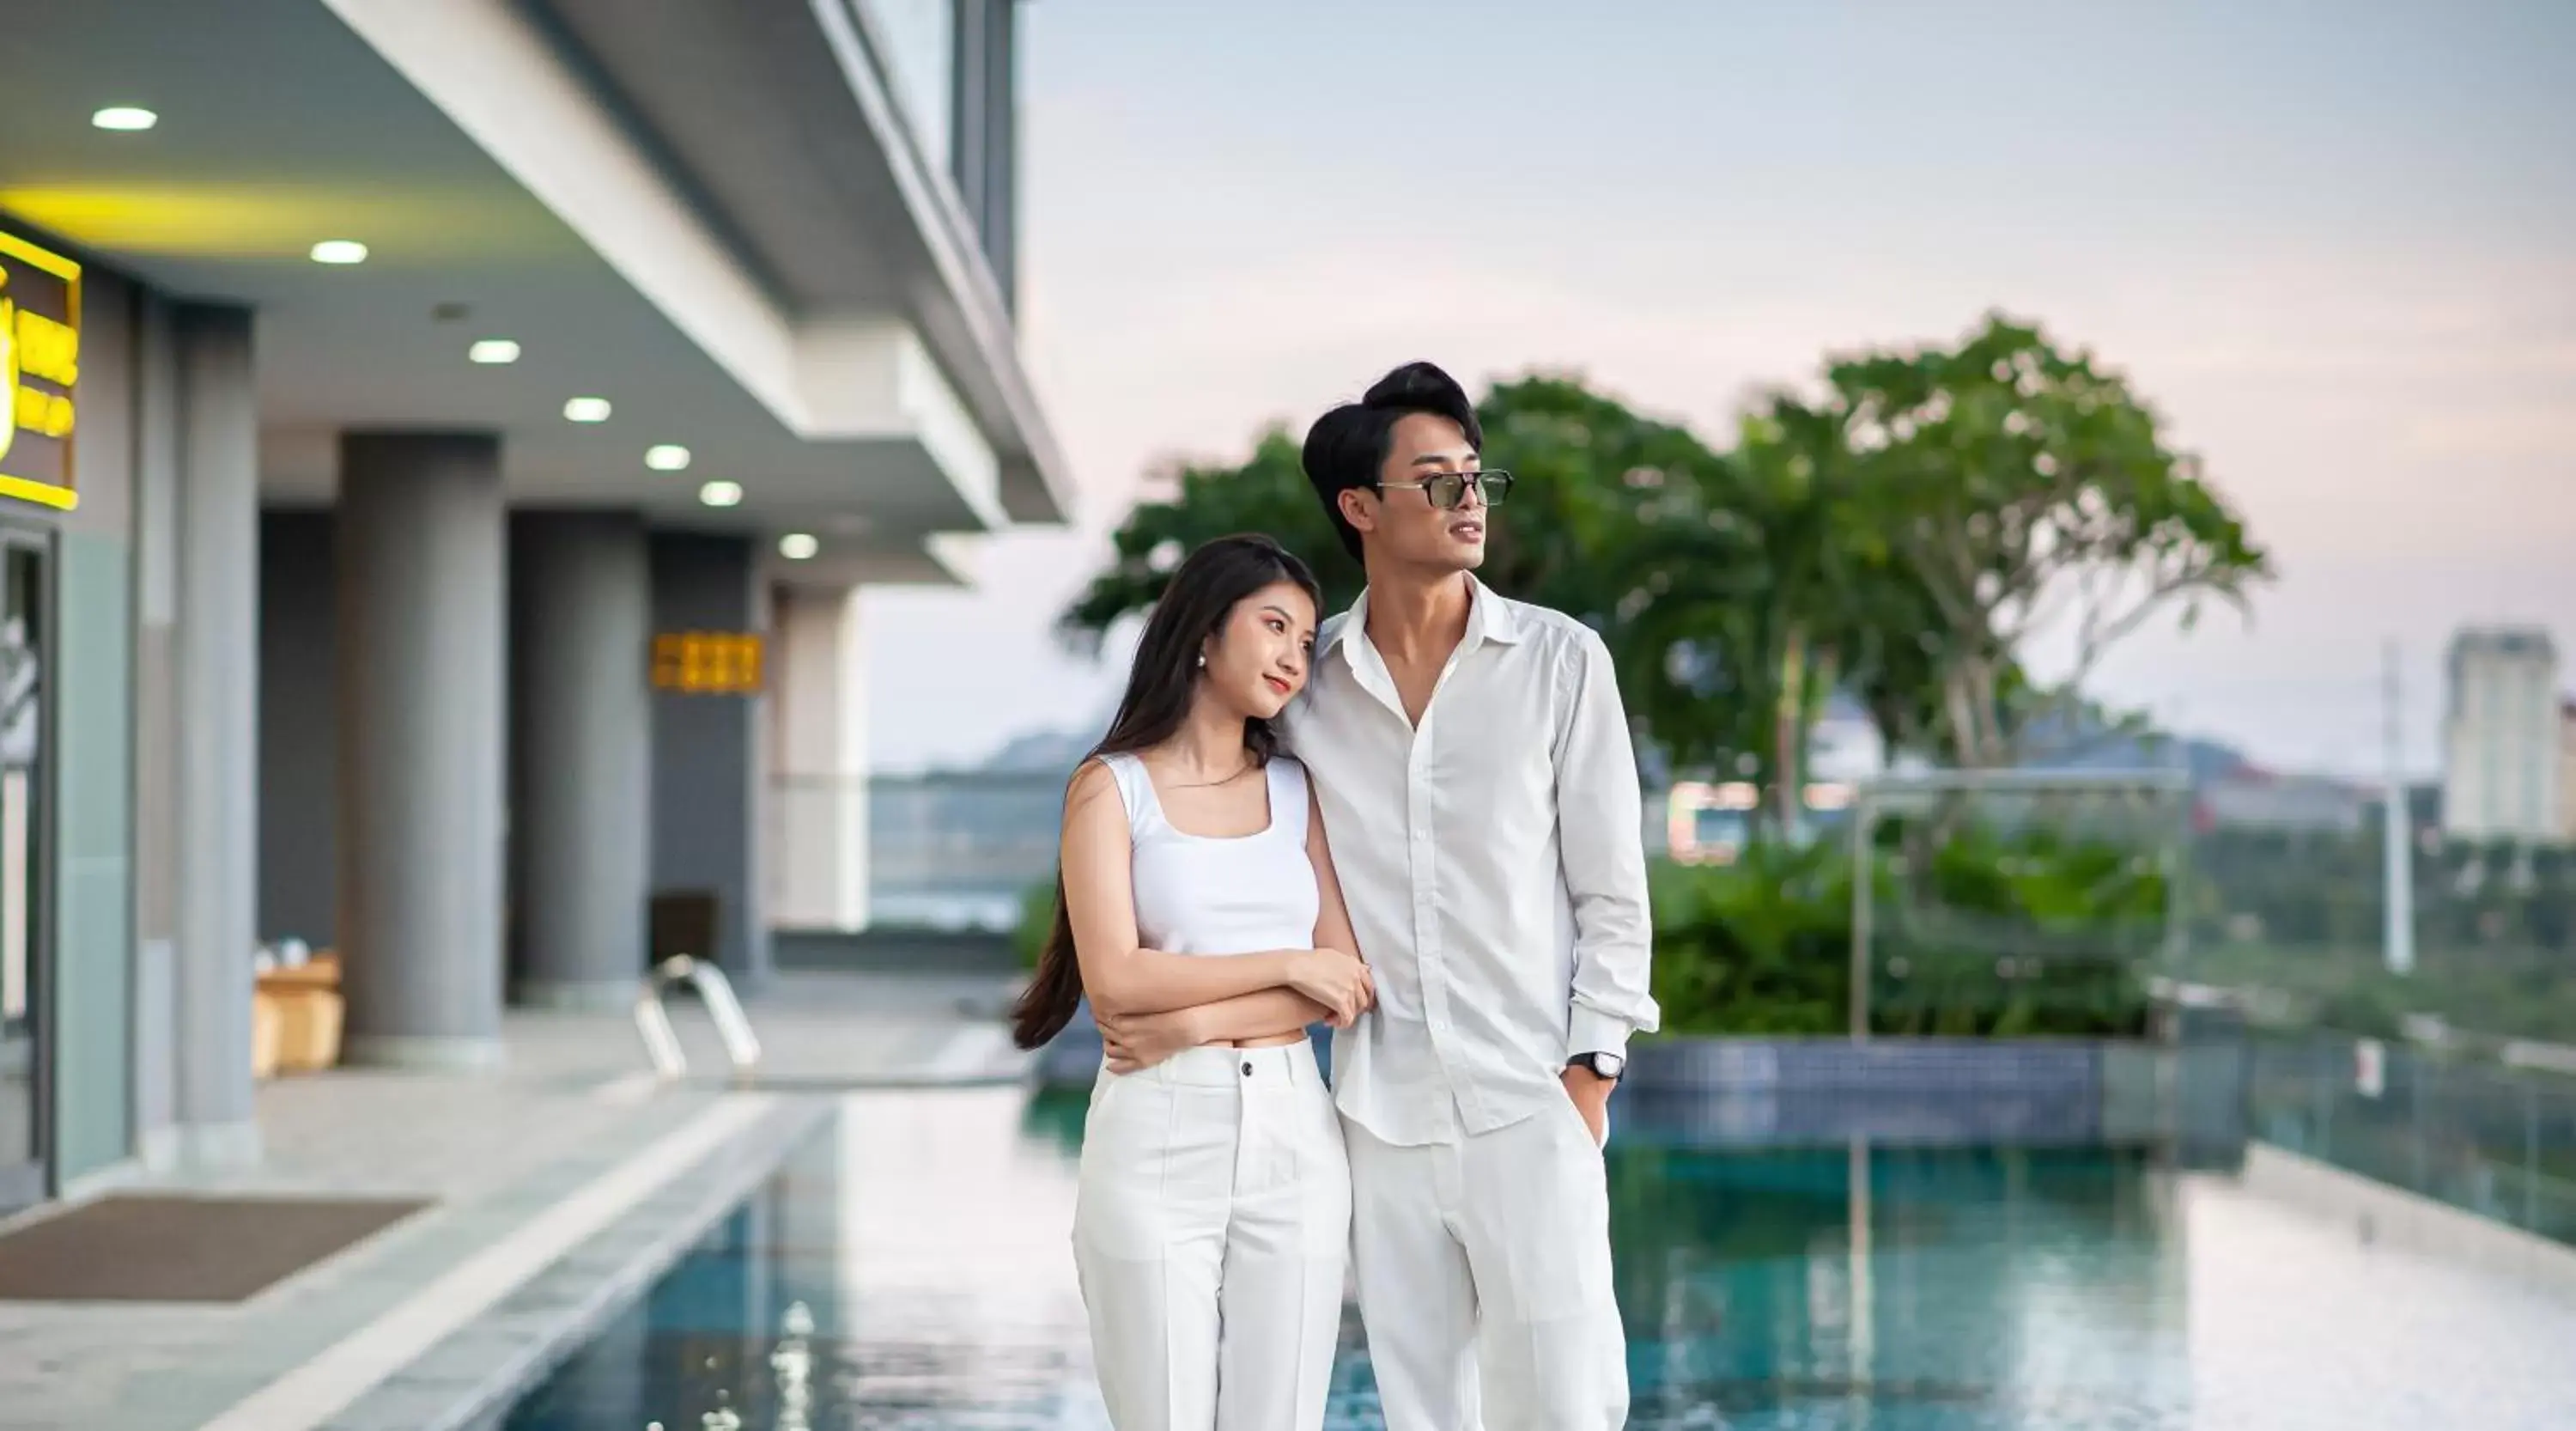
[{"x": 470, "y": 1378}]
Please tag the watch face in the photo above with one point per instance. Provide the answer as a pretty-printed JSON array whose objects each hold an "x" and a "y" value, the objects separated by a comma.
[{"x": 1605, "y": 1065}]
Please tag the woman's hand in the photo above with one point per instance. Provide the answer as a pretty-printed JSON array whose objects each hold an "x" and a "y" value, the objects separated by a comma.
[
  {"x": 1338, "y": 981},
  {"x": 1134, "y": 1042}
]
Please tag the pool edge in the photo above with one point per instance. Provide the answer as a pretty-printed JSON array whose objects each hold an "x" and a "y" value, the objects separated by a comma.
[
  {"x": 471, "y": 1379},
  {"x": 2379, "y": 1214}
]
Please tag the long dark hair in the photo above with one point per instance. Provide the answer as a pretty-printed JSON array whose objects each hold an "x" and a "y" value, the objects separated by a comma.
[{"x": 1160, "y": 688}]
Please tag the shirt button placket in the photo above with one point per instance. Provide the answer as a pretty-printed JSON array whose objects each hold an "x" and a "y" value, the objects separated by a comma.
[{"x": 1426, "y": 925}]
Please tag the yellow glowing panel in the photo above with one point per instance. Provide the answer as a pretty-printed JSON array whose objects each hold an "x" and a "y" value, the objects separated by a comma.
[
  {"x": 40, "y": 316},
  {"x": 283, "y": 222},
  {"x": 707, "y": 663}
]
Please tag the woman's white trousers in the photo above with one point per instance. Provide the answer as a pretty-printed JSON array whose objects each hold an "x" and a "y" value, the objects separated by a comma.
[{"x": 1211, "y": 1234}]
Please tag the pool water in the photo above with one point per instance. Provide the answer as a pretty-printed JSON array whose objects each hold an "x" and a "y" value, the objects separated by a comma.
[{"x": 909, "y": 1269}]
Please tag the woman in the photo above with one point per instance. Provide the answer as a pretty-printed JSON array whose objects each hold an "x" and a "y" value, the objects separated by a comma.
[{"x": 1213, "y": 1215}]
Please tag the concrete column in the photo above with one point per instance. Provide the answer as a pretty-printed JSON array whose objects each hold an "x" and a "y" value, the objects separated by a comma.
[
  {"x": 217, "y": 698},
  {"x": 581, "y": 832},
  {"x": 709, "y": 762},
  {"x": 422, "y": 577},
  {"x": 819, "y": 702}
]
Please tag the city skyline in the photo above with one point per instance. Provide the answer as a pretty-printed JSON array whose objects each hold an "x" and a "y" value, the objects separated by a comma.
[{"x": 2360, "y": 313}]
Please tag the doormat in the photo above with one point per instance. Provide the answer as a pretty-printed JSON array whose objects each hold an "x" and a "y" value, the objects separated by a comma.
[{"x": 142, "y": 1248}]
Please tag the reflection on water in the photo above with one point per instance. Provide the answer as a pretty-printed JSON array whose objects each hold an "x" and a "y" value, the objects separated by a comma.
[{"x": 909, "y": 1269}]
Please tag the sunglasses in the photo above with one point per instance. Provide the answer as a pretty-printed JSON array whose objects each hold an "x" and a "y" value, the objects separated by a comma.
[{"x": 1448, "y": 489}]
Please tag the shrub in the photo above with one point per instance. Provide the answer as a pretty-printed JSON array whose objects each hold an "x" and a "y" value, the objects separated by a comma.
[
  {"x": 2035, "y": 935},
  {"x": 2001, "y": 935},
  {"x": 1762, "y": 946},
  {"x": 1037, "y": 916}
]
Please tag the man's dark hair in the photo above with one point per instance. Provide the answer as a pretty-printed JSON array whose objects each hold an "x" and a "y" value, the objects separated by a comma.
[{"x": 1347, "y": 447}]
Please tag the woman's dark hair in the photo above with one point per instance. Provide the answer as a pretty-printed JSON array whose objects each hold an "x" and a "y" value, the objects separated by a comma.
[
  {"x": 1347, "y": 447},
  {"x": 1160, "y": 687}
]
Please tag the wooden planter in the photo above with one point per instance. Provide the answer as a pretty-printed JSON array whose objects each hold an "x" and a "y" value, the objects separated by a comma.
[{"x": 296, "y": 1017}]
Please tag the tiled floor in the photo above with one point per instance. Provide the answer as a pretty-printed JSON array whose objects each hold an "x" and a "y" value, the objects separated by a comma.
[{"x": 498, "y": 1152}]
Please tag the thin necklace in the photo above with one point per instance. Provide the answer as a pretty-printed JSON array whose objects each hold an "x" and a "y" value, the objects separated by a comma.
[{"x": 1240, "y": 772}]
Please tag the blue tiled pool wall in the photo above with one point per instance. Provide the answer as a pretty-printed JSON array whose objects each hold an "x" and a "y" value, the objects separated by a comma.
[
  {"x": 1729, "y": 1092},
  {"x": 2492, "y": 1140},
  {"x": 2495, "y": 1141}
]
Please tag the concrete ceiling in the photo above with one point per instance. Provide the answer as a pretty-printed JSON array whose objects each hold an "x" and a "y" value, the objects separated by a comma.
[{"x": 279, "y": 128}]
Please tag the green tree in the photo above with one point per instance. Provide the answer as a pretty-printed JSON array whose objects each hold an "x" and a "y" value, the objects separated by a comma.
[
  {"x": 1591, "y": 476},
  {"x": 1267, "y": 494},
  {"x": 1582, "y": 463},
  {"x": 2024, "y": 486},
  {"x": 1900, "y": 534}
]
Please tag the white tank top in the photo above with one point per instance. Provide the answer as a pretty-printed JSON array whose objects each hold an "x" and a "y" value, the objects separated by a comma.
[{"x": 1243, "y": 895}]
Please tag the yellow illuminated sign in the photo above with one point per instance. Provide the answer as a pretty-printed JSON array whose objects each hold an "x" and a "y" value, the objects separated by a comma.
[
  {"x": 39, "y": 369},
  {"x": 707, "y": 663}
]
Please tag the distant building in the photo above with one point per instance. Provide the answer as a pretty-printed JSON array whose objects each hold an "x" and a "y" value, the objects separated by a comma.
[
  {"x": 2567, "y": 770},
  {"x": 2503, "y": 740}
]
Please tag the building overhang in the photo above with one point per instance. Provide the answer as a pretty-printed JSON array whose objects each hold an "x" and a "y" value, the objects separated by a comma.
[
  {"x": 478, "y": 149},
  {"x": 823, "y": 169}
]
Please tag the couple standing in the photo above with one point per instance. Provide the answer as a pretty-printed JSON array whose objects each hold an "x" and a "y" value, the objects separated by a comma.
[{"x": 1477, "y": 930}]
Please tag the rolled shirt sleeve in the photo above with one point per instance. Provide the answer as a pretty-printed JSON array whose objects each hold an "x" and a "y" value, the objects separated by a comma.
[{"x": 1601, "y": 829}]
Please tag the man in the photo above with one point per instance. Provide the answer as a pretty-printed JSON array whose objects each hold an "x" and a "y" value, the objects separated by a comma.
[{"x": 1472, "y": 761}]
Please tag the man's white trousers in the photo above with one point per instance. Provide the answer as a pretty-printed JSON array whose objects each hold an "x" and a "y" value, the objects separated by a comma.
[
  {"x": 1484, "y": 1278},
  {"x": 1211, "y": 1233}
]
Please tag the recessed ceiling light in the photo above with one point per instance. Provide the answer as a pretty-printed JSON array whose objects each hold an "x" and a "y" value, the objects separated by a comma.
[
  {"x": 587, "y": 410},
  {"x": 494, "y": 350},
  {"x": 667, "y": 457},
  {"x": 798, "y": 546},
  {"x": 721, "y": 494},
  {"x": 339, "y": 251},
  {"x": 125, "y": 119}
]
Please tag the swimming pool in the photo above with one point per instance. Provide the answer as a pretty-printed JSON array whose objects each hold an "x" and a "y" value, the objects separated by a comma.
[{"x": 909, "y": 1269}]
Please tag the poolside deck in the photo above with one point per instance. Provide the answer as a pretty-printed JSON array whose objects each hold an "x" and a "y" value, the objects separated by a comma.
[{"x": 573, "y": 1162}]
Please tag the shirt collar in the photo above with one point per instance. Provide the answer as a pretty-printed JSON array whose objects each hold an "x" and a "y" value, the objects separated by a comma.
[{"x": 1489, "y": 618}]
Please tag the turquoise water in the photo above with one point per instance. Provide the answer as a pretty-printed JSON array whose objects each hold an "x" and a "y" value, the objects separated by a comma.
[{"x": 907, "y": 1271}]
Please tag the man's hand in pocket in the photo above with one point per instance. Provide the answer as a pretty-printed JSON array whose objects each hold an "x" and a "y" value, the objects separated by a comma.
[{"x": 1591, "y": 1094}]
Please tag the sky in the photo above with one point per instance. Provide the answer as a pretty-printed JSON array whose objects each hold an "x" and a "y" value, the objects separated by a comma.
[{"x": 2333, "y": 242}]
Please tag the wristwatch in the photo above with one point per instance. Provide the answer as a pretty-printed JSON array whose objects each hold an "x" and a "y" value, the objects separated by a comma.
[{"x": 1603, "y": 1065}]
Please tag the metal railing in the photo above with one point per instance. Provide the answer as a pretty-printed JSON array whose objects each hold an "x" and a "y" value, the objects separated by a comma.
[
  {"x": 945, "y": 850},
  {"x": 2152, "y": 807},
  {"x": 662, "y": 1042}
]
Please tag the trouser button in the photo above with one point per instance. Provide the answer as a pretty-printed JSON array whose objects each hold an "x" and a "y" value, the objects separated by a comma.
[{"x": 1247, "y": 1069}]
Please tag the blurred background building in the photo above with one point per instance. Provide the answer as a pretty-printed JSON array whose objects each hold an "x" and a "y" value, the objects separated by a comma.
[
  {"x": 2567, "y": 769},
  {"x": 449, "y": 441},
  {"x": 2504, "y": 737}
]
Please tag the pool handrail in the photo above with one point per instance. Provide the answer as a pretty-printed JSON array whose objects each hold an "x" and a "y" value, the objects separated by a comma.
[{"x": 662, "y": 1042}]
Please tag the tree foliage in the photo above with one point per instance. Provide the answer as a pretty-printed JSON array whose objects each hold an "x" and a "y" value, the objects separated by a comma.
[
  {"x": 2022, "y": 487},
  {"x": 1267, "y": 494},
  {"x": 1898, "y": 532}
]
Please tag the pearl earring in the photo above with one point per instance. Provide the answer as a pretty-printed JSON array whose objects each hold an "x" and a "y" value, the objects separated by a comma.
[{"x": 1203, "y": 660}]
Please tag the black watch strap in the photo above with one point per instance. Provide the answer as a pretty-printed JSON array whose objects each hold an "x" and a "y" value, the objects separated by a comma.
[{"x": 1592, "y": 1062}]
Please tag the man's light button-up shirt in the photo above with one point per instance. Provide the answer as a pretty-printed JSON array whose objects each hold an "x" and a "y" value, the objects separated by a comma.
[{"x": 1494, "y": 863}]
